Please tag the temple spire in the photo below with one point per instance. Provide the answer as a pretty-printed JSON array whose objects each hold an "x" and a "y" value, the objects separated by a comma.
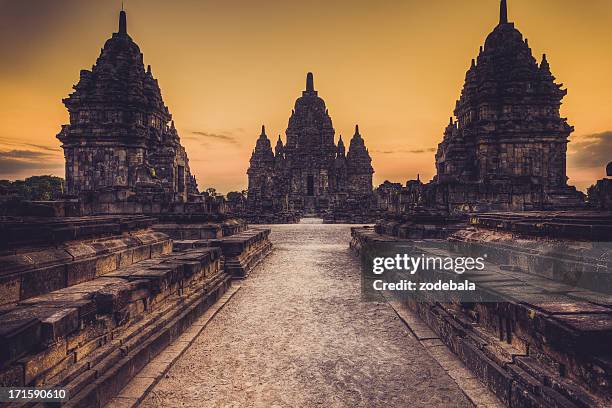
[
  {"x": 309, "y": 82},
  {"x": 263, "y": 130},
  {"x": 503, "y": 12},
  {"x": 122, "y": 22}
]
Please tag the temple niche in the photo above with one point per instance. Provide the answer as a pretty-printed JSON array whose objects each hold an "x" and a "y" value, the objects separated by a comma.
[
  {"x": 310, "y": 173},
  {"x": 600, "y": 194},
  {"x": 506, "y": 149},
  {"x": 121, "y": 143}
]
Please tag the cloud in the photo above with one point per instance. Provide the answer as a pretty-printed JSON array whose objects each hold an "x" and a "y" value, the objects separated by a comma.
[
  {"x": 591, "y": 151},
  {"x": 15, "y": 161},
  {"x": 47, "y": 148},
  {"x": 23, "y": 154},
  {"x": 9, "y": 141},
  {"x": 222, "y": 137},
  {"x": 412, "y": 151}
]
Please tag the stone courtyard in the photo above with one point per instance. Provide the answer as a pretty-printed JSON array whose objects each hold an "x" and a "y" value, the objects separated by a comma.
[
  {"x": 134, "y": 288},
  {"x": 298, "y": 334}
]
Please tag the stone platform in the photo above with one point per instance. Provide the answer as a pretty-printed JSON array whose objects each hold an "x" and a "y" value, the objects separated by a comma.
[
  {"x": 85, "y": 303},
  {"x": 545, "y": 344},
  {"x": 422, "y": 224},
  {"x": 198, "y": 226},
  {"x": 41, "y": 255},
  {"x": 272, "y": 218},
  {"x": 243, "y": 251},
  {"x": 349, "y": 218}
]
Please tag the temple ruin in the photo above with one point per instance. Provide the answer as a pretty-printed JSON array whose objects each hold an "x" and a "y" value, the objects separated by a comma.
[
  {"x": 506, "y": 149},
  {"x": 538, "y": 328},
  {"x": 121, "y": 141},
  {"x": 310, "y": 173},
  {"x": 96, "y": 285}
]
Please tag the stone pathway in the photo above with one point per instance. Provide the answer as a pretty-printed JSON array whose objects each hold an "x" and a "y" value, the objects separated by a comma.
[{"x": 298, "y": 335}]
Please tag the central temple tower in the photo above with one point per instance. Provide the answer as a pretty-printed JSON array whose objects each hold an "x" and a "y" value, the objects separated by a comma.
[
  {"x": 310, "y": 173},
  {"x": 310, "y": 151}
]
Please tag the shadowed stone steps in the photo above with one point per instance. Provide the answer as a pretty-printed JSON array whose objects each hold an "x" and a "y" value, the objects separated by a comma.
[
  {"x": 243, "y": 251},
  {"x": 539, "y": 346},
  {"x": 96, "y": 334},
  {"x": 34, "y": 269}
]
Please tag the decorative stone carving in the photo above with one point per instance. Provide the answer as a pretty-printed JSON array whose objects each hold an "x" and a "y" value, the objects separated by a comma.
[
  {"x": 310, "y": 173},
  {"x": 120, "y": 135},
  {"x": 507, "y": 147}
]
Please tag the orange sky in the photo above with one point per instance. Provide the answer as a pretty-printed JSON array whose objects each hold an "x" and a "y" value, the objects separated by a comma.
[{"x": 225, "y": 68}]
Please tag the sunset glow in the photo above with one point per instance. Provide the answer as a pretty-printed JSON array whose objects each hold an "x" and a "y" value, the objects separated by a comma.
[{"x": 395, "y": 68}]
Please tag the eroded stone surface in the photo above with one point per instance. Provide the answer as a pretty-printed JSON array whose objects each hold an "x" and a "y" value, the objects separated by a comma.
[{"x": 298, "y": 334}]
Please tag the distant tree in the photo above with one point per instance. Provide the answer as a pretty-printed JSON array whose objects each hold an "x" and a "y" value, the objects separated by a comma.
[
  {"x": 35, "y": 188},
  {"x": 235, "y": 196},
  {"x": 211, "y": 191}
]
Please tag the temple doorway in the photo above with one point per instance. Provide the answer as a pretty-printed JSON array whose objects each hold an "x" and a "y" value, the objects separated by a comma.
[{"x": 310, "y": 185}]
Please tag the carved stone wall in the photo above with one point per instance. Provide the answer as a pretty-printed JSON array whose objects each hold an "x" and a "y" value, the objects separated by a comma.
[
  {"x": 120, "y": 133},
  {"x": 310, "y": 173}
]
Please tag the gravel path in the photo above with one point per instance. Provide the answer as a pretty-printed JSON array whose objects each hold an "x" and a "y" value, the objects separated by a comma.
[{"x": 298, "y": 335}]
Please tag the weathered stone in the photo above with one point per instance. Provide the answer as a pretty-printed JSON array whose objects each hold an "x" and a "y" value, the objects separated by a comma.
[
  {"x": 309, "y": 174},
  {"x": 12, "y": 376},
  {"x": 43, "y": 361},
  {"x": 123, "y": 153},
  {"x": 18, "y": 335}
]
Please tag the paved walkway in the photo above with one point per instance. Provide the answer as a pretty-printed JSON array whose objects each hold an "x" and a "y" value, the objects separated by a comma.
[{"x": 298, "y": 335}]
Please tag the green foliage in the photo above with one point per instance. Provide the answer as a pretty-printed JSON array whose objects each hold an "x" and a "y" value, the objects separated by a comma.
[
  {"x": 35, "y": 188},
  {"x": 235, "y": 196}
]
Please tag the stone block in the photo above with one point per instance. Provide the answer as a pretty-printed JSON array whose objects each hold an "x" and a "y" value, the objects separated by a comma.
[
  {"x": 41, "y": 362},
  {"x": 106, "y": 264},
  {"x": 81, "y": 271},
  {"x": 112, "y": 298},
  {"x": 12, "y": 376},
  {"x": 487, "y": 371},
  {"x": 60, "y": 324},
  {"x": 18, "y": 336},
  {"x": 10, "y": 289},
  {"x": 39, "y": 281}
]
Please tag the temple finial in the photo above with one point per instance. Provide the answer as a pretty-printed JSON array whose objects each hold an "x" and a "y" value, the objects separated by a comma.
[
  {"x": 263, "y": 130},
  {"x": 309, "y": 82},
  {"x": 122, "y": 22},
  {"x": 544, "y": 65},
  {"x": 356, "y": 129},
  {"x": 503, "y": 12}
]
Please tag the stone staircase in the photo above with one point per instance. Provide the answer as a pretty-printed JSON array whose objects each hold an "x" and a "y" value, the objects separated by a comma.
[
  {"x": 535, "y": 342},
  {"x": 87, "y": 306}
]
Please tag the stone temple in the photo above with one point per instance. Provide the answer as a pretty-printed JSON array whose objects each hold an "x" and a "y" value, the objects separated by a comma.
[
  {"x": 121, "y": 139},
  {"x": 507, "y": 147},
  {"x": 97, "y": 284},
  {"x": 310, "y": 173}
]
